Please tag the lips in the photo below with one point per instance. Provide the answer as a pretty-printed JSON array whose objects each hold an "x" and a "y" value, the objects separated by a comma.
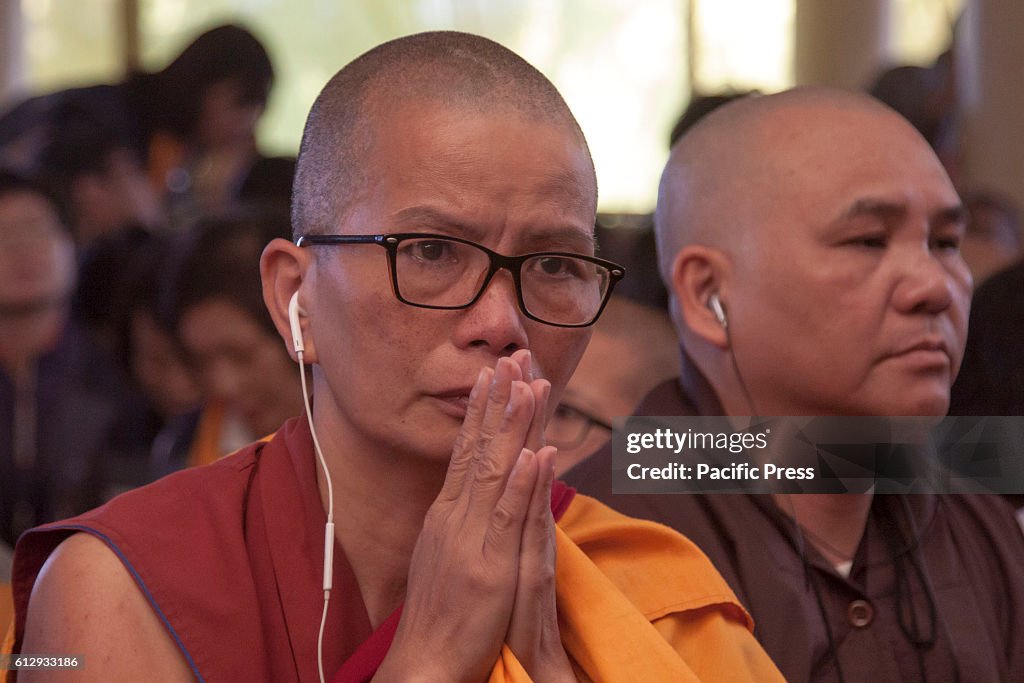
[
  {"x": 931, "y": 344},
  {"x": 453, "y": 401},
  {"x": 929, "y": 351}
]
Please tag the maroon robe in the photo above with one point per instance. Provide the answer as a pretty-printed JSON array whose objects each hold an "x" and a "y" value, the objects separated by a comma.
[{"x": 236, "y": 580}]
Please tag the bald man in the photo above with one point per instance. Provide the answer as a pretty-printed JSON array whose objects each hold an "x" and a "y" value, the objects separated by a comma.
[
  {"x": 809, "y": 241},
  {"x": 441, "y": 289}
]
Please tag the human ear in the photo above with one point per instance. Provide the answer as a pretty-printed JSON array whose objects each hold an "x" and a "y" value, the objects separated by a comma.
[
  {"x": 698, "y": 284},
  {"x": 283, "y": 267}
]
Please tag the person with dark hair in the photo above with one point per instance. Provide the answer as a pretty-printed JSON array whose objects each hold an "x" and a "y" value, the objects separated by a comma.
[
  {"x": 810, "y": 243},
  {"x": 214, "y": 306},
  {"x": 105, "y": 199},
  {"x": 441, "y": 289},
  {"x": 60, "y": 396},
  {"x": 97, "y": 178},
  {"x": 122, "y": 308},
  {"x": 991, "y": 381},
  {"x": 192, "y": 124}
]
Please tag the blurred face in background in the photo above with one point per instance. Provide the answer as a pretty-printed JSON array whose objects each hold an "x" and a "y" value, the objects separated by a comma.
[
  {"x": 37, "y": 265},
  {"x": 633, "y": 349},
  {"x": 37, "y": 274},
  {"x": 592, "y": 399},
  {"x": 227, "y": 117},
  {"x": 241, "y": 364}
]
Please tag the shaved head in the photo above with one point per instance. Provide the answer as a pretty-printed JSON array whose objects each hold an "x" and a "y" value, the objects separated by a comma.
[
  {"x": 460, "y": 71},
  {"x": 829, "y": 233},
  {"x": 730, "y": 168}
]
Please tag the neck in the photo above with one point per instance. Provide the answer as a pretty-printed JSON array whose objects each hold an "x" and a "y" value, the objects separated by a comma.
[
  {"x": 833, "y": 523},
  {"x": 380, "y": 500}
]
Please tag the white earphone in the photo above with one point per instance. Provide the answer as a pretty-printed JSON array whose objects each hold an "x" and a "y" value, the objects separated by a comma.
[
  {"x": 293, "y": 320},
  {"x": 294, "y": 311},
  {"x": 715, "y": 304}
]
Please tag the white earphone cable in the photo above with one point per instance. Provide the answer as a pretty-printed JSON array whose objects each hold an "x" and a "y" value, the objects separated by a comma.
[{"x": 328, "y": 528}]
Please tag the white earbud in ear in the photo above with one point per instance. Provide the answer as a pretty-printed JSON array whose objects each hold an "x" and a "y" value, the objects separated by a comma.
[
  {"x": 296, "y": 327},
  {"x": 293, "y": 320},
  {"x": 715, "y": 304}
]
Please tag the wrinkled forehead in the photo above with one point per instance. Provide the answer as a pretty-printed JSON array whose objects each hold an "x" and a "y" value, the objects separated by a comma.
[{"x": 429, "y": 157}]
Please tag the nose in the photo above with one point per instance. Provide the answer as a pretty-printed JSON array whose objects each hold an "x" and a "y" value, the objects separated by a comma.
[
  {"x": 927, "y": 284},
  {"x": 494, "y": 322}
]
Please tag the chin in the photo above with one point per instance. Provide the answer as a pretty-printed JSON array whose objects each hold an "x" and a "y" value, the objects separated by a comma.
[
  {"x": 434, "y": 446},
  {"x": 926, "y": 405}
]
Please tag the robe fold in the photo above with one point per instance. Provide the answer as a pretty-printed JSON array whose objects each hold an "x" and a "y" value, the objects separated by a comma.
[{"x": 230, "y": 558}]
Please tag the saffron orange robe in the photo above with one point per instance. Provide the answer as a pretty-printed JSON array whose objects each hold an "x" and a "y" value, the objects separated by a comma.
[{"x": 230, "y": 558}]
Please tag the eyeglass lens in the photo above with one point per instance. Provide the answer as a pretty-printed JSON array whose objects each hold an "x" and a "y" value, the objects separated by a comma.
[
  {"x": 567, "y": 428},
  {"x": 558, "y": 289}
]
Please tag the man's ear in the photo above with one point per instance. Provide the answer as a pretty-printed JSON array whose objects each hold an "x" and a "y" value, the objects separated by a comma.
[
  {"x": 283, "y": 268},
  {"x": 698, "y": 274}
]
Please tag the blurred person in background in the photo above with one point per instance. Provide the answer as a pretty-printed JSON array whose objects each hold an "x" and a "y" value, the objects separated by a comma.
[
  {"x": 192, "y": 123},
  {"x": 98, "y": 180},
  {"x": 164, "y": 388},
  {"x": 61, "y": 398},
  {"x": 106, "y": 201},
  {"x": 992, "y": 241},
  {"x": 991, "y": 381},
  {"x": 634, "y": 348},
  {"x": 247, "y": 380},
  {"x": 153, "y": 358}
]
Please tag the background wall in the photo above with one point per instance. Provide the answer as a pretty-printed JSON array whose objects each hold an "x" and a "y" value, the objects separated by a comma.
[{"x": 626, "y": 67}]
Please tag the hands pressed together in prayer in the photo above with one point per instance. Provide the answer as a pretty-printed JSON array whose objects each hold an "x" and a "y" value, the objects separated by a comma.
[{"x": 483, "y": 569}]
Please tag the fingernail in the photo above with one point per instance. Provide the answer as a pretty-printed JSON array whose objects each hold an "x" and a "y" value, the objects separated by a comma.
[
  {"x": 521, "y": 392},
  {"x": 482, "y": 378},
  {"x": 500, "y": 371},
  {"x": 513, "y": 401},
  {"x": 522, "y": 461}
]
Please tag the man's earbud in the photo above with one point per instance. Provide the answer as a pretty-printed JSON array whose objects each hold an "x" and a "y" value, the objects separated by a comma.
[
  {"x": 715, "y": 304},
  {"x": 293, "y": 320}
]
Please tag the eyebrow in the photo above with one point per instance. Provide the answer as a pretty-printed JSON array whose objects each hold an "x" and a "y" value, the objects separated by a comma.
[
  {"x": 433, "y": 219},
  {"x": 950, "y": 215},
  {"x": 888, "y": 210},
  {"x": 560, "y": 238},
  {"x": 875, "y": 208},
  {"x": 564, "y": 237}
]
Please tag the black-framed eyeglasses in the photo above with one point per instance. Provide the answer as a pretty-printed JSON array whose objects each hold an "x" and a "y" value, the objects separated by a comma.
[
  {"x": 439, "y": 271},
  {"x": 570, "y": 426}
]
